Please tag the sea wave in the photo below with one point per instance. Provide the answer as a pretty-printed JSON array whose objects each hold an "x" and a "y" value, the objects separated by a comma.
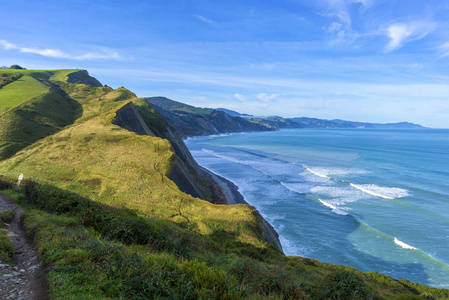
[
  {"x": 315, "y": 172},
  {"x": 335, "y": 209},
  {"x": 382, "y": 192},
  {"x": 403, "y": 245}
]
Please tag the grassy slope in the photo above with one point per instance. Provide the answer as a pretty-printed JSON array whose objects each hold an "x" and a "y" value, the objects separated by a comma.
[
  {"x": 39, "y": 114},
  {"x": 20, "y": 91},
  {"x": 118, "y": 167}
]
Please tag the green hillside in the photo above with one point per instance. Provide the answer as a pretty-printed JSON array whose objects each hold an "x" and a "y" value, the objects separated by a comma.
[
  {"x": 20, "y": 91},
  {"x": 37, "y": 105},
  {"x": 110, "y": 223}
]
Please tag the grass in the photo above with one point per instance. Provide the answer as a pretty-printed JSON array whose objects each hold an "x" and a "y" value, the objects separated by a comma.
[
  {"x": 6, "y": 246},
  {"x": 26, "y": 122},
  {"x": 30, "y": 121},
  {"x": 21, "y": 90},
  {"x": 118, "y": 167}
]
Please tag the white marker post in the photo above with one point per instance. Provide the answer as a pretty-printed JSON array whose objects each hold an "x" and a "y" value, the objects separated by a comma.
[{"x": 20, "y": 180}]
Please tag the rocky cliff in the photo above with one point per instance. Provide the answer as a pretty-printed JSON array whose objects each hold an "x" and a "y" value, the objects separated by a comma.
[{"x": 82, "y": 76}]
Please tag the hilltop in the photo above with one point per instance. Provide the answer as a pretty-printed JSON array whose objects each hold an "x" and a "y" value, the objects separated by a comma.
[{"x": 118, "y": 208}]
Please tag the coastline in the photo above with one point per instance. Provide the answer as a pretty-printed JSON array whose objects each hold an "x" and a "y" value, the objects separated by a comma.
[{"x": 227, "y": 193}]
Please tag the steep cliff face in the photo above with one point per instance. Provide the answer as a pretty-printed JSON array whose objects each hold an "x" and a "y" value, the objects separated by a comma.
[
  {"x": 185, "y": 172},
  {"x": 129, "y": 118},
  {"x": 82, "y": 76},
  {"x": 193, "y": 121}
]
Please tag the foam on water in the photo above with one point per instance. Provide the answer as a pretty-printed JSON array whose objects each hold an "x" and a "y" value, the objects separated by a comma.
[
  {"x": 403, "y": 245},
  {"x": 382, "y": 192},
  {"x": 315, "y": 173},
  {"x": 336, "y": 210}
]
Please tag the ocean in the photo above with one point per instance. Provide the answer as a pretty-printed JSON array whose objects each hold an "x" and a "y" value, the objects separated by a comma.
[{"x": 372, "y": 199}]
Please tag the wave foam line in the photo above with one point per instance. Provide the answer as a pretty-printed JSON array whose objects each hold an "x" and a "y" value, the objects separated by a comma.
[
  {"x": 404, "y": 245},
  {"x": 315, "y": 173},
  {"x": 369, "y": 191},
  {"x": 334, "y": 208}
]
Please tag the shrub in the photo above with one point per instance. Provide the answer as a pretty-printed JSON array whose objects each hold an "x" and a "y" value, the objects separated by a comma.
[
  {"x": 344, "y": 284},
  {"x": 6, "y": 247},
  {"x": 5, "y": 185},
  {"x": 6, "y": 216}
]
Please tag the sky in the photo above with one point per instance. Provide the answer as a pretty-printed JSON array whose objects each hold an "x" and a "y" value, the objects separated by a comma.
[{"x": 360, "y": 60}]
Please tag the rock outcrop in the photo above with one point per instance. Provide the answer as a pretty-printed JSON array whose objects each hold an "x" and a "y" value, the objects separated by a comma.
[{"x": 82, "y": 76}]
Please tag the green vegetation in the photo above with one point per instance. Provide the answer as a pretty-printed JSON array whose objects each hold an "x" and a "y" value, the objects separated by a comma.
[
  {"x": 110, "y": 224},
  {"x": 20, "y": 91},
  {"x": 35, "y": 106},
  {"x": 6, "y": 246}
]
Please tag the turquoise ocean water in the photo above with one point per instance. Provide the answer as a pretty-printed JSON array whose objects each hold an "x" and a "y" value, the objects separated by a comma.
[{"x": 371, "y": 199}]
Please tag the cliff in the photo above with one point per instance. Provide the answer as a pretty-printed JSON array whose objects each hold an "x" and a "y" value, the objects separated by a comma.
[{"x": 83, "y": 77}]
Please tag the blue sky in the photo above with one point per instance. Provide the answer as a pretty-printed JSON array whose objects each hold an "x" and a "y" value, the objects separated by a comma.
[{"x": 361, "y": 60}]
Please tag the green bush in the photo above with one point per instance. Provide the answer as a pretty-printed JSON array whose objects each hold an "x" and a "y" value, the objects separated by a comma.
[
  {"x": 5, "y": 185},
  {"x": 6, "y": 246},
  {"x": 344, "y": 284},
  {"x": 6, "y": 216}
]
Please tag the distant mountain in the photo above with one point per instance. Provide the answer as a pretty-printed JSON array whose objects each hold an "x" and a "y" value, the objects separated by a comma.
[
  {"x": 336, "y": 123},
  {"x": 304, "y": 122},
  {"x": 193, "y": 121},
  {"x": 276, "y": 122}
]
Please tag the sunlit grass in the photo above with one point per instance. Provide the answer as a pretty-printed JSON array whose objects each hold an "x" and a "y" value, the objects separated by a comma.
[{"x": 20, "y": 91}]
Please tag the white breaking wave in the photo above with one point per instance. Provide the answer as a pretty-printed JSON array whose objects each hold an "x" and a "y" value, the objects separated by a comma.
[
  {"x": 327, "y": 204},
  {"x": 403, "y": 245},
  {"x": 315, "y": 173},
  {"x": 382, "y": 192},
  {"x": 334, "y": 208}
]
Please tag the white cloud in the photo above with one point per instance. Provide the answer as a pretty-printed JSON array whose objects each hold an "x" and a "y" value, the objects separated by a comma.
[
  {"x": 401, "y": 33},
  {"x": 397, "y": 33},
  {"x": 266, "y": 97},
  {"x": 240, "y": 97},
  {"x": 103, "y": 53}
]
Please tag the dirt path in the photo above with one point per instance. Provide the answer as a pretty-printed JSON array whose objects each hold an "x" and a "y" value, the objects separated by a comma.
[{"x": 26, "y": 280}]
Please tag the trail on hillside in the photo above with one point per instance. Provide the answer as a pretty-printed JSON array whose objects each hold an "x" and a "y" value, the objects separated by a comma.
[{"x": 26, "y": 279}]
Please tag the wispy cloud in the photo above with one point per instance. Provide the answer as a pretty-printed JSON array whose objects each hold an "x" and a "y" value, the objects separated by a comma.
[
  {"x": 205, "y": 20},
  {"x": 266, "y": 97},
  {"x": 338, "y": 11},
  {"x": 401, "y": 33},
  {"x": 444, "y": 49},
  {"x": 102, "y": 53},
  {"x": 240, "y": 97}
]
